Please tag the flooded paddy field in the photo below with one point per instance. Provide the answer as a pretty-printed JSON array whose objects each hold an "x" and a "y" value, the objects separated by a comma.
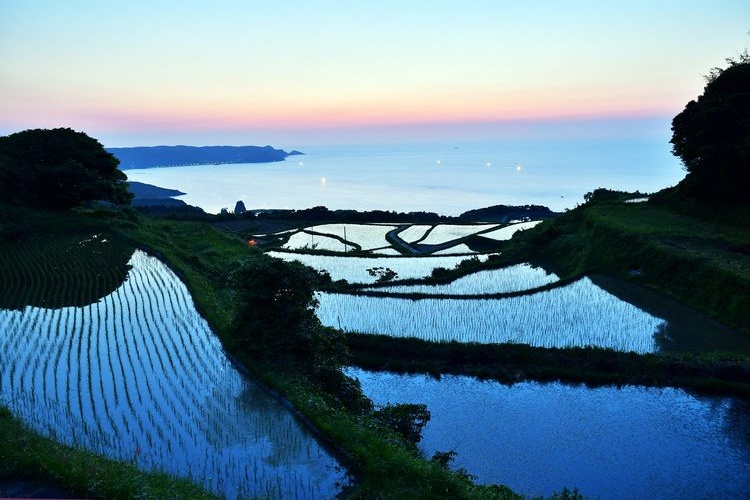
[
  {"x": 609, "y": 442},
  {"x": 139, "y": 376}
]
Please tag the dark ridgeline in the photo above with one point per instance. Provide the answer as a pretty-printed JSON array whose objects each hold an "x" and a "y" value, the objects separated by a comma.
[
  {"x": 170, "y": 156},
  {"x": 506, "y": 213},
  {"x": 159, "y": 199},
  {"x": 143, "y": 190}
]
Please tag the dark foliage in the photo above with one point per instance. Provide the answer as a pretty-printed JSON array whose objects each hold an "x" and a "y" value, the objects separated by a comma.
[
  {"x": 407, "y": 420},
  {"x": 276, "y": 316},
  {"x": 443, "y": 458},
  {"x": 58, "y": 169},
  {"x": 505, "y": 213},
  {"x": 276, "y": 321},
  {"x": 604, "y": 195},
  {"x": 382, "y": 274},
  {"x": 276, "y": 303},
  {"x": 712, "y": 137}
]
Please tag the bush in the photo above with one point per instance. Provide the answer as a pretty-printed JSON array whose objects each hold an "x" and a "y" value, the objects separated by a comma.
[
  {"x": 276, "y": 316},
  {"x": 407, "y": 420}
]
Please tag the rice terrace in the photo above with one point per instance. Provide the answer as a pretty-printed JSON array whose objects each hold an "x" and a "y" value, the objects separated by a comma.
[
  {"x": 119, "y": 361},
  {"x": 138, "y": 375},
  {"x": 422, "y": 292}
]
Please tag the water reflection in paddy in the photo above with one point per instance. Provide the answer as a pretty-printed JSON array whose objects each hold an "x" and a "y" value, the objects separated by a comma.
[
  {"x": 139, "y": 376},
  {"x": 579, "y": 314},
  {"x": 631, "y": 442}
]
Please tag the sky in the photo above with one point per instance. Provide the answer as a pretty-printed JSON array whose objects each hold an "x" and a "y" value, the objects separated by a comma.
[{"x": 292, "y": 73}]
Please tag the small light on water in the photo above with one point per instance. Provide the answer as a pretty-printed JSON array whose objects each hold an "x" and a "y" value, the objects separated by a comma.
[
  {"x": 488, "y": 164},
  {"x": 323, "y": 181},
  {"x": 301, "y": 164},
  {"x": 438, "y": 162},
  {"x": 518, "y": 167}
]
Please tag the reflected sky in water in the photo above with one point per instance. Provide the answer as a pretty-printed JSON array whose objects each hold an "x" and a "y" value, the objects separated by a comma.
[
  {"x": 631, "y": 442},
  {"x": 140, "y": 376},
  {"x": 445, "y": 178}
]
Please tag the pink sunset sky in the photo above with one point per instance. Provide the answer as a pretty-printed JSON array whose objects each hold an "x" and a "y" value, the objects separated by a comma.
[{"x": 297, "y": 73}]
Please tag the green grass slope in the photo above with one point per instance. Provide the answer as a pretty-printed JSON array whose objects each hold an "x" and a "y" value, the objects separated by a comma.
[{"x": 699, "y": 257}]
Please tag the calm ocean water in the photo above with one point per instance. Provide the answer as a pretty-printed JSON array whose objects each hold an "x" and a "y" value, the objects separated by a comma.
[{"x": 444, "y": 178}]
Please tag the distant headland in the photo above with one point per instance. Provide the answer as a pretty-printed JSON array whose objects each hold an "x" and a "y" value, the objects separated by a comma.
[{"x": 173, "y": 156}]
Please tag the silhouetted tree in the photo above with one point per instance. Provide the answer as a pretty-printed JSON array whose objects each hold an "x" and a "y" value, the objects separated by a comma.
[
  {"x": 406, "y": 419},
  {"x": 239, "y": 208},
  {"x": 712, "y": 136},
  {"x": 276, "y": 316},
  {"x": 382, "y": 274},
  {"x": 58, "y": 169}
]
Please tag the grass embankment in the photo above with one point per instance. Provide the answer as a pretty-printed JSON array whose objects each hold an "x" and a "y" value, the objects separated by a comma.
[
  {"x": 700, "y": 257},
  {"x": 509, "y": 363},
  {"x": 26, "y": 455}
]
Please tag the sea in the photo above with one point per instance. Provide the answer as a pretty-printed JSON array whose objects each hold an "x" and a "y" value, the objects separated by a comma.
[{"x": 446, "y": 178}]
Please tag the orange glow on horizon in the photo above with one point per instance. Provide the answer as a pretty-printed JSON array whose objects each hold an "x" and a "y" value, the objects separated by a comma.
[{"x": 198, "y": 117}]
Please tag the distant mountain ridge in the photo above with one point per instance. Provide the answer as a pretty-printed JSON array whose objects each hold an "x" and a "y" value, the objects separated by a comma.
[
  {"x": 148, "y": 195},
  {"x": 173, "y": 156},
  {"x": 506, "y": 213}
]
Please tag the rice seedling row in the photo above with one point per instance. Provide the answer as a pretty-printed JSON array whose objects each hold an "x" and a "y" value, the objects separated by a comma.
[
  {"x": 354, "y": 269},
  {"x": 415, "y": 232},
  {"x": 443, "y": 233},
  {"x": 460, "y": 249},
  {"x": 579, "y": 314},
  {"x": 138, "y": 376},
  {"x": 366, "y": 236},
  {"x": 386, "y": 251},
  {"x": 61, "y": 271},
  {"x": 507, "y": 232},
  {"x": 492, "y": 281},
  {"x": 310, "y": 241}
]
